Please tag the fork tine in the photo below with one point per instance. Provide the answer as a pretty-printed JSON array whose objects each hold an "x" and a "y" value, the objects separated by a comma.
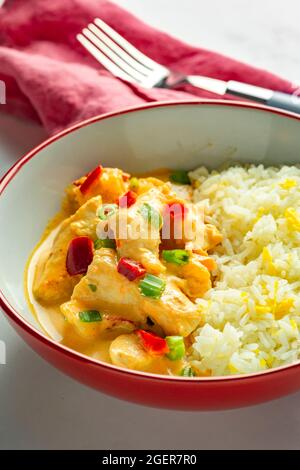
[
  {"x": 105, "y": 61},
  {"x": 129, "y": 48},
  {"x": 138, "y": 76},
  {"x": 118, "y": 50}
]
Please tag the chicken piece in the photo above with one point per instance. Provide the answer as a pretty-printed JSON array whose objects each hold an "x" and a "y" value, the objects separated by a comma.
[
  {"x": 136, "y": 237},
  {"x": 91, "y": 330},
  {"x": 212, "y": 237},
  {"x": 52, "y": 283},
  {"x": 197, "y": 278},
  {"x": 174, "y": 312},
  {"x": 207, "y": 261},
  {"x": 145, "y": 184},
  {"x": 194, "y": 277},
  {"x": 198, "y": 235},
  {"x": 126, "y": 351},
  {"x": 189, "y": 231},
  {"x": 111, "y": 184},
  {"x": 183, "y": 191},
  {"x": 113, "y": 293}
]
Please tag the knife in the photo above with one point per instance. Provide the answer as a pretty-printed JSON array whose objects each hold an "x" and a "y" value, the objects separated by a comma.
[{"x": 265, "y": 96}]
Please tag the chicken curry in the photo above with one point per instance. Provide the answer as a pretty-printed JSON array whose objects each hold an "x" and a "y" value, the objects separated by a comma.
[{"x": 122, "y": 272}]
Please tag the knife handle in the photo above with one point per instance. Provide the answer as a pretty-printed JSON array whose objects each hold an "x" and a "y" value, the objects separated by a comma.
[
  {"x": 285, "y": 101},
  {"x": 272, "y": 98}
]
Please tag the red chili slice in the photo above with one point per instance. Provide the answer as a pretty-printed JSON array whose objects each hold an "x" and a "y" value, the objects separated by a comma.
[
  {"x": 90, "y": 179},
  {"x": 175, "y": 210},
  {"x": 79, "y": 255},
  {"x": 127, "y": 200},
  {"x": 125, "y": 177},
  {"x": 153, "y": 343},
  {"x": 130, "y": 269}
]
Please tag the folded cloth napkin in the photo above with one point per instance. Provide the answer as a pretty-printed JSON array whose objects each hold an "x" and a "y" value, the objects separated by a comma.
[{"x": 51, "y": 78}]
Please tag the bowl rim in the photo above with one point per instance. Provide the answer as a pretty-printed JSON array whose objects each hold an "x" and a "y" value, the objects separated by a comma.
[{"x": 39, "y": 335}]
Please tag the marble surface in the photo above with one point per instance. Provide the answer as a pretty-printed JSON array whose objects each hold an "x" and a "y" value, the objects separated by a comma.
[
  {"x": 264, "y": 33},
  {"x": 42, "y": 408}
]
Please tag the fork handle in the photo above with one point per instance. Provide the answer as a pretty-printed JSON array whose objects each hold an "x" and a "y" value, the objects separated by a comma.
[{"x": 272, "y": 98}]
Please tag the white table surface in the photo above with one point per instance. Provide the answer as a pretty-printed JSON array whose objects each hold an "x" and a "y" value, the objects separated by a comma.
[{"x": 42, "y": 408}]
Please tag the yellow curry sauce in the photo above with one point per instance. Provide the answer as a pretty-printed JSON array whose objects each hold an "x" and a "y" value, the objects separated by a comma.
[{"x": 64, "y": 304}]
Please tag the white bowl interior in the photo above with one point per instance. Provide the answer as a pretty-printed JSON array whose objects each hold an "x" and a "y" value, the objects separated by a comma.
[{"x": 182, "y": 136}]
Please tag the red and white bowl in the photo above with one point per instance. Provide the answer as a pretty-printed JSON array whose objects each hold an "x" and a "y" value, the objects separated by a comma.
[{"x": 174, "y": 135}]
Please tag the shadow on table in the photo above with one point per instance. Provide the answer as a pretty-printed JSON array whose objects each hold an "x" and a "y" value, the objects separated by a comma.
[
  {"x": 42, "y": 408},
  {"x": 16, "y": 138}
]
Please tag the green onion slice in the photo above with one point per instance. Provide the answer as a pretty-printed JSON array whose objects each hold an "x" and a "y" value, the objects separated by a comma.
[
  {"x": 90, "y": 316},
  {"x": 107, "y": 210},
  {"x": 180, "y": 177},
  {"x": 152, "y": 286},
  {"x": 179, "y": 257},
  {"x": 187, "y": 371},
  {"x": 104, "y": 243},
  {"x": 93, "y": 287},
  {"x": 151, "y": 215},
  {"x": 176, "y": 347}
]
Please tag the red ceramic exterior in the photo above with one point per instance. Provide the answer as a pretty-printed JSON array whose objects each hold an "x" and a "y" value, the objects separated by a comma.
[{"x": 147, "y": 389}]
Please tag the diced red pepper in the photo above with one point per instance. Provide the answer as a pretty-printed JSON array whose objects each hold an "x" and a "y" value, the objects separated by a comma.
[
  {"x": 79, "y": 255},
  {"x": 125, "y": 177},
  {"x": 130, "y": 269},
  {"x": 175, "y": 210},
  {"x": 153, "y": 343},
  {"x": 90, "y": 179},
  {"x": 127, "y": 200},
  {"x": 174, "y": 214}
]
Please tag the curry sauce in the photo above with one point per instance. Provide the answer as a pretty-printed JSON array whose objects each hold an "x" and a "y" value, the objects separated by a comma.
[{"x": 126, "y": 300}]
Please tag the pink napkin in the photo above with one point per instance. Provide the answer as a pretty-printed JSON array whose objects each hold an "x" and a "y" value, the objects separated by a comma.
[{"x": 51, "y": 78}]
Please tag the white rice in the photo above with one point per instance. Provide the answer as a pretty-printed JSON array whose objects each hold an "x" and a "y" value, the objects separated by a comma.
[{"x": 252, "y": 314}]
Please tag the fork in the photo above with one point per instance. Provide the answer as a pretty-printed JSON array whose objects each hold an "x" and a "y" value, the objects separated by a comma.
[{"x": 125, "y": 61}]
